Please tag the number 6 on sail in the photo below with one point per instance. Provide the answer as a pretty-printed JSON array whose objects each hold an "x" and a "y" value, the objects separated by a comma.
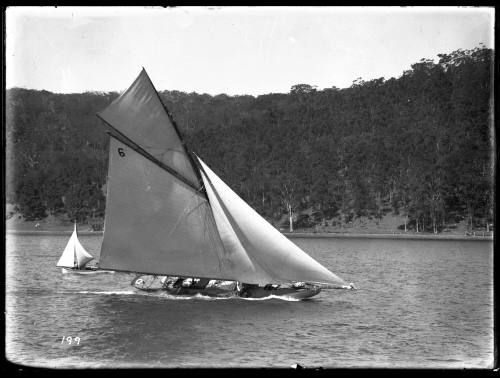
[{"x": 168, "y": 214}]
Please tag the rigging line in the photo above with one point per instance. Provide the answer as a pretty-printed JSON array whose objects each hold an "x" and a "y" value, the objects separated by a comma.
[
  {"x": 163, "y": 151},
  {"x": 171, "y": 118},
  {"x": 214, "y": 236},
  {"x": 184, "y": 214},
  {"x": 176, "y": 149},
  {"x": 211, "y": 236},
  {"x": 241, "y": 236},
  {"x": 127, "y": 141},
  {"x": 210, "y": 231}
]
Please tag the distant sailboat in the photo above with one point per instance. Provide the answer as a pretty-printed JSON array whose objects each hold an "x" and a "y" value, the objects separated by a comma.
[
  {"x": 168, "y": 214},
  {"x": 75, "y": 258}
]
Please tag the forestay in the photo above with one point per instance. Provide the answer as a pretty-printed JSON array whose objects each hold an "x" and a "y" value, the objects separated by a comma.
[
  {"x": 235, "y": 259},
  {"x": 265, "y": 246},
  {"x": 159, "y": 221}
]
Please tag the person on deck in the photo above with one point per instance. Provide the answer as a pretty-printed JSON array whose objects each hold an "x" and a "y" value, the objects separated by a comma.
[{"x": 178, "y": 282}]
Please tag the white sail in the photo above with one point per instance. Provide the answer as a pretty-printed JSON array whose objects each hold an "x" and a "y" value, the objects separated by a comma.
[
  {"x": 138, "y": 114},
  {"x": 156, "y": 223},
  {"x": 67, "y": 259},
  {"x": 74, "y": 252},
  {"x": 264, "y": 245},
  {"x": 235, "y": 259},
  {"x": 158, "y": 219}
]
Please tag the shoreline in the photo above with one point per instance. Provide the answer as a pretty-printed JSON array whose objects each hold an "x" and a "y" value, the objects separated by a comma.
[
  {"x": 294, "y": 235},
  {"x": 386, "y": 236},
  {"x": 51, "y": 232}
]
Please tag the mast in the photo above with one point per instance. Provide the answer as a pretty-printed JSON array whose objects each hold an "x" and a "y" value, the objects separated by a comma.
[
  {"x": 74, "y": 253},
  {"x": 158, "y": 219},
  {"x": 74, "y": 248},
  {"x": 139, "y": 119},
  {"x": 183, "y": 142},
  {"x": 169, "y": 213}
]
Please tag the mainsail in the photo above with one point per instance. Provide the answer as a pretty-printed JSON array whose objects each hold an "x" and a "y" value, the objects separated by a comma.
[
  {"x": 166, "y": 216},
  {"x": 74, "y": 253},
  {"x": 139, "y": 118},
  {"x": 154, "y": 222},
  {"x": 158, "y": 220}
]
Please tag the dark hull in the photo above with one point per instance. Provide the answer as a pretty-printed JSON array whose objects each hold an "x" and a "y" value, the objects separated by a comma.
[
  {"x": 208, "y": 292},
  {"x": 288, "y": 293},
  {"x": 260, "y": 292}
]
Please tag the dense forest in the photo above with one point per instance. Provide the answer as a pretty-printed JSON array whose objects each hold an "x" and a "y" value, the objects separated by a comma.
[{"x": 420, "y": 146}]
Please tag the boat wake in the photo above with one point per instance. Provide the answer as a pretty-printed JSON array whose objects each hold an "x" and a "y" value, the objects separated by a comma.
[
  {"x": 280, "y": 297},
  {"x": 85, "y": 272},
  {"x": 188, "y": 297},
  {"x": 118, "y": 292},
  {"x": 228, "y": 297},
  {"x": 177, "y": 193}
]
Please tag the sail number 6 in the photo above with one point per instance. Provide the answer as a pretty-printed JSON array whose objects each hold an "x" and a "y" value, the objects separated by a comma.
[{"x": 120, "y": 152}]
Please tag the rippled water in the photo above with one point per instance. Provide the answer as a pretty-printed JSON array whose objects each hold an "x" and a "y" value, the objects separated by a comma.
[{"x": 419, "y": 304}]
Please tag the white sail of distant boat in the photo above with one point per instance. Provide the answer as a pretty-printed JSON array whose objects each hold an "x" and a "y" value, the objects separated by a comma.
[
  {"x": 168, "y": 213},
  {"x": 74, "y": 255}
]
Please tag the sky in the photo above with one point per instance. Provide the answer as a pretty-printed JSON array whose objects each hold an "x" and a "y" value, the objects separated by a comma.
[{"x": 231, "y": 50}]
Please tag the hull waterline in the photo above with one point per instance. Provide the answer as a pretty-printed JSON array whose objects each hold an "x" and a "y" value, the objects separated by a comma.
[
  {"x": 178, "y": 216},
  {"x": 261, "y": 292},
  {"x": 253, "y": 293}
]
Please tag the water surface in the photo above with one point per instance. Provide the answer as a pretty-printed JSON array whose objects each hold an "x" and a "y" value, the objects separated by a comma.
[{"x": 419, "y": 304}]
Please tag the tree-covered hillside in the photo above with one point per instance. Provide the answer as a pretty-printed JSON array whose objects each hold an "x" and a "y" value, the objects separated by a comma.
[{"x": 419, "y": 145}]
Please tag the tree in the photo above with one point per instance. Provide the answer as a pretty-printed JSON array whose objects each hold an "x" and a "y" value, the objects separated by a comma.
[{"x": 419, "y": 145}]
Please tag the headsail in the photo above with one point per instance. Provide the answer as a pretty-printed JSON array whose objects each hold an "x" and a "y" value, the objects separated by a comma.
[
  {"x": 74, "y": 252},
  {"x": 159, "y": 221},
  {"x": 235, "y": 258},
  {"x": 265, "y": 246}
]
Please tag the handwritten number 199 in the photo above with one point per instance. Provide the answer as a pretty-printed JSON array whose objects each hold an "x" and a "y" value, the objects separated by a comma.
[{"x": 70, "y": 340}]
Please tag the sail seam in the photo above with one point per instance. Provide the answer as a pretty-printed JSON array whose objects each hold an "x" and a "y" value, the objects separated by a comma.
[{"x": 184, "y": 214}]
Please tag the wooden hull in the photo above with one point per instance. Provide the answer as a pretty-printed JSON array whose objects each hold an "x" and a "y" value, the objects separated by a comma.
[
  {"x": 84, "y": 271},
  {"x": 208, "y": 292},
  {"x": 260, "y": 292},
  {"x": 253, "y": 293}
]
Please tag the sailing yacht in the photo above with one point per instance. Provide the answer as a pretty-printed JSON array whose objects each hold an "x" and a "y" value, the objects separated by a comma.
[
  {"x": 74, "y": 257},
  {"x": 169, "y": 215}
]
